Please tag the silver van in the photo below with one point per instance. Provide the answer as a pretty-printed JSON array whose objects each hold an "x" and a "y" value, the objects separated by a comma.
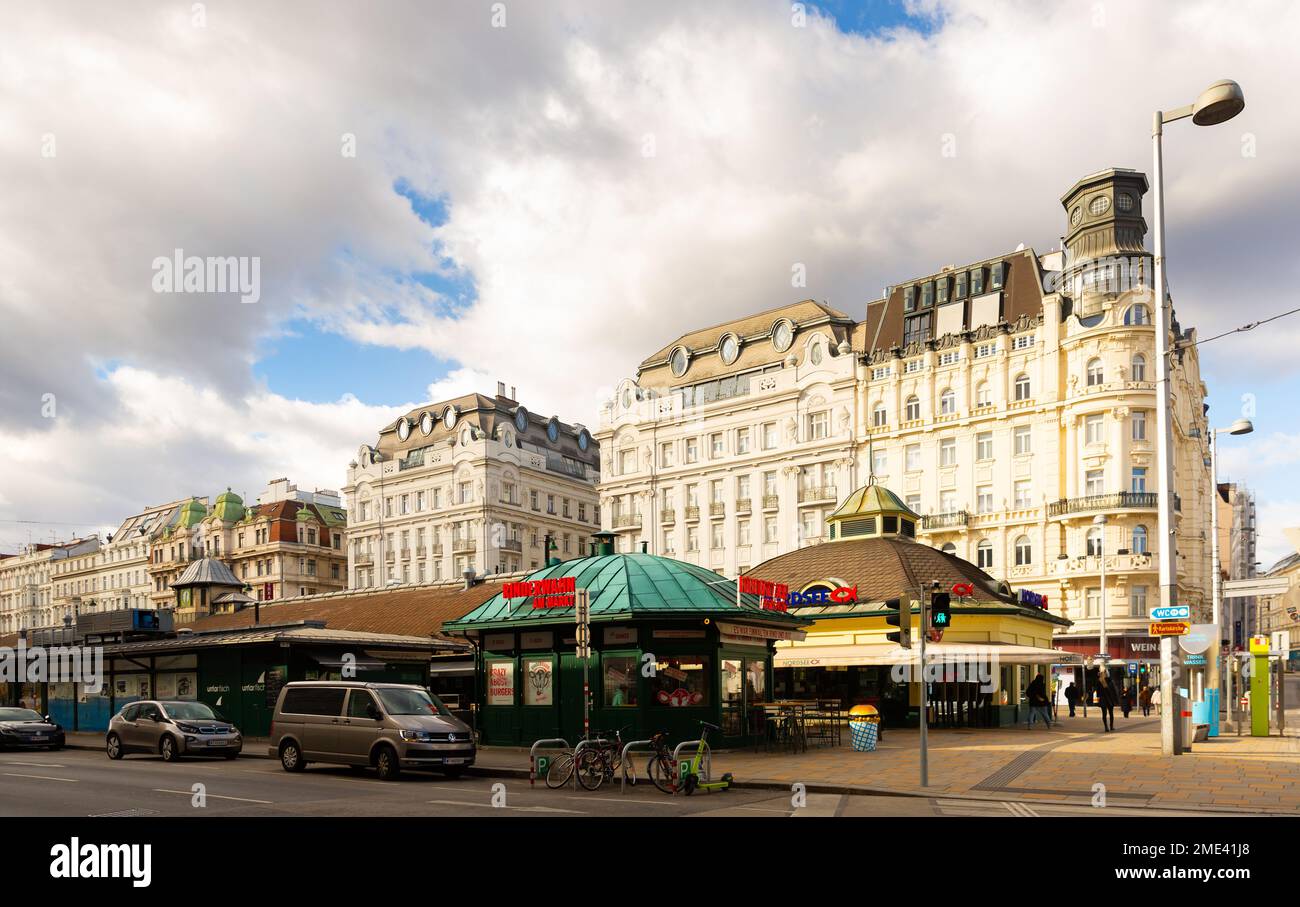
[{"x": 390, "y": 726}]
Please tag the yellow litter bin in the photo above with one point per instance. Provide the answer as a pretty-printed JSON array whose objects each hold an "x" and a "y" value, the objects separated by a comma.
[{"x": 864, "y": 727}]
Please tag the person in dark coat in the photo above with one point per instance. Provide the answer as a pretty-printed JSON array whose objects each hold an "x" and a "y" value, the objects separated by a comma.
[
  {"x": 1144, "y": 700},
  {"x": 1072, "y": 697},
  {"x": 1036, "y": 694},
  {"x": 1107, "y": 698}
]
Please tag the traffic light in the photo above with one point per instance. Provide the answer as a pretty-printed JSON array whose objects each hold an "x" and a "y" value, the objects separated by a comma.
[
  {"x": 901, "y": 618},
  {"x": 940, "y": 610}
]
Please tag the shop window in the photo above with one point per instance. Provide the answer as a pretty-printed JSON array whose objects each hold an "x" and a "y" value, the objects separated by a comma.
[
  {"x": 620, "y": 681},
  {"x": 539, "y": 687},
  {"x": 682, "y": 681},
  {"x": 501, "y": 683}
]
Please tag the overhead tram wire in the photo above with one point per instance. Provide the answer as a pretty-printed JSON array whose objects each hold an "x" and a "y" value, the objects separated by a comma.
[{"x": 1250, "y": 326}]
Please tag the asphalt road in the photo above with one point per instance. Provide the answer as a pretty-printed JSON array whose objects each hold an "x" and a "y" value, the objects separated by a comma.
[{"x": 87, "y": 783}]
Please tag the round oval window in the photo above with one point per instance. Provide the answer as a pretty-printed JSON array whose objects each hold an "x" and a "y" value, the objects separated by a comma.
[
  {"x": 404, "y": 429},
  {"x": 449, "y": 416},
  {"x": 553, "y": 430},
  {"x": 730, "y": 349},
  {"x": 677, "y": 362},
  {"x": 584, "y": 440},
  {"x": 521, "y": 419},
  {"x": 426, "y": 422},
  {"x": 782, "y": 336}
]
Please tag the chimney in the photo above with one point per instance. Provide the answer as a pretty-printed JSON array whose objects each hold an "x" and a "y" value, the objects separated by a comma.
[
  {"x": 604, "y": 542},
  {"x": 469, "y": 579},
  {"x": 501, "y": 388},
  {"x": 512, "y": 393}
]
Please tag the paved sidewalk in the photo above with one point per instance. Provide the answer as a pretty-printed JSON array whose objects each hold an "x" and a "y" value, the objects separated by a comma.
[{"x": 1059, "y": 765}]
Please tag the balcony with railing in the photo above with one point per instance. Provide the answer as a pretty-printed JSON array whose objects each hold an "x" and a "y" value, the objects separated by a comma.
[
  {"x": 364, "y": 560},
  {"x": 952, "y": 520},
  {"x": 512, "y": 545},
  {"x": 771, "y": 501},
  {"x": 743, "y": 505},
  {"x": 817, "y": 494},
  {"x": 1122, "y": 500},
  {"x": 1088, "y": 565},
  {"x": 667, "y": 516},
  {"x": 692, "y": 514},
  {"x": 463, "y": 545},
  {"x": 626, "y": 520},
  {"x": 717, "y": 508}
]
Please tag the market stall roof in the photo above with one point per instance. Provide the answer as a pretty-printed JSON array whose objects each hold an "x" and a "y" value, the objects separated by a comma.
[
  {"x": 888, "y": 653},
  {"x": 625, "y": 586},
  {"x": 306, "y": 632}
]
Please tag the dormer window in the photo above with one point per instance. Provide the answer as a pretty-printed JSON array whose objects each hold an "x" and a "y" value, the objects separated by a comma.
[
  {"x": 977, "y": 280},
  {"x": 927, "y": 295},
  {"x": 942, "y": 285},
  {"x": 997, "y": 274},
  {"x": 961, "y": 285},
  {"x": 909, "y": 299}
]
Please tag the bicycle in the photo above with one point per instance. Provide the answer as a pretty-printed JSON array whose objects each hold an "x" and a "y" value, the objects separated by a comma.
[
  {"x": 561, "y": 768},
  {"x": 596, "y": 765},
  {"x": 662, "y": 767}
]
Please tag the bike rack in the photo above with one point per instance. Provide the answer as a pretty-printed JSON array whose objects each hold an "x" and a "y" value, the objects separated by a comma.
[
  {"x": 624, "y": 763},
  {"x": 577, "y": 750},
  {"x": 532, "y": 756},
  {"x": 706, "y": 764}
]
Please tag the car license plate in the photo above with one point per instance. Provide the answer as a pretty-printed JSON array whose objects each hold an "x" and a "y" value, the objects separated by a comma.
[
  {"x": 216, "y": 743},
  {"x": 454, "y": 761},
  {"x": 40, "y": 737}
]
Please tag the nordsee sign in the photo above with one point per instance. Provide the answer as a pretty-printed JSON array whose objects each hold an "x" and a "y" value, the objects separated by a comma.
[{"x": 1178, "y": 612}]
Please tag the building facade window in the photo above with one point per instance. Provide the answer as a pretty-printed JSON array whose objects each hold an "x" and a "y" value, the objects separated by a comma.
[
  {"x": 1023, "y": 436},
  {"x": 1022, "y": 387},
  {"x": 1139, "y": 539},
  {"x": 913, "y": 408},
  {"x": 1024, "y": 551},
  {"x": 984, "y": 555},
  {"x": 1095, "y": 375}
]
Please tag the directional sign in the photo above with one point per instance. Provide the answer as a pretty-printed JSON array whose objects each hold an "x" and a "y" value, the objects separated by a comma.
[
  {"x": 1179, "y": 612},
  {"x": 1169, "y": 628}
]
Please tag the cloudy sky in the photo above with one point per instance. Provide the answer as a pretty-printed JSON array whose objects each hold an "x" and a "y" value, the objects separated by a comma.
[{"x": 444, "y": 195}]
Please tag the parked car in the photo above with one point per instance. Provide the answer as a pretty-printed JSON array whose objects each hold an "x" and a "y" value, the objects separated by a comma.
[
  {"x": 390, "y": 726},
  {"x": 171, "y": 730},
  {"x": 27, "y": 729}
]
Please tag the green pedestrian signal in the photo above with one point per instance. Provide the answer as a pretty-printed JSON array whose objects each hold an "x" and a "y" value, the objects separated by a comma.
[{"x": 940, "y": 611}]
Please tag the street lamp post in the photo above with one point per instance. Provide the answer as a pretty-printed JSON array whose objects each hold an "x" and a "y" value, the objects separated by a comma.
[
  {"x": 1221, "y": 101},
  {"x": 1240, "y": 427},
  {"x": 1103, "y": 650}
]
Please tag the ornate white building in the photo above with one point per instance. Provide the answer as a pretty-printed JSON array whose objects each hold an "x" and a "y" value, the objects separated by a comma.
[
  {"x": 471, "y": 484},
  {"x": 1010, "y": 400},
  {"x": 27, "y": 599}
]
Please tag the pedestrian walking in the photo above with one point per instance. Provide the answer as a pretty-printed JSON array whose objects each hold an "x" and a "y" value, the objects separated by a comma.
[
  {"x": 1106, "y": 699},
  {"x": 1144, "y": 700},
  {"x": 1126, "y": 700},
  {"x": 1072, "y": 697},
  {"x": 1155, "y": 699},
  {"x": 1036, "y": 695}
]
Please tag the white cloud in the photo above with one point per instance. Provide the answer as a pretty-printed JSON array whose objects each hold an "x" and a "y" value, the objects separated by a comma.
[{"x": 771, "y": 145}]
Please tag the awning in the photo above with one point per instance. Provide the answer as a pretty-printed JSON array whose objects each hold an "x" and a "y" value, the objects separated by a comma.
[
  {"x": 461, "y": 667},
  {"x": 935, "y": 653},
  {"x": 362, "y": 662}
]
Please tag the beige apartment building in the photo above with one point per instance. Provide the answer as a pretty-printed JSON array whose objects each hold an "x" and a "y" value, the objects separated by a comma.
[
  {"x": 477, "y": 484},
  {"x": 27, "y": 597},
  {"x": 1010, "y": 400},
  {"x": 115, "y": 575}
]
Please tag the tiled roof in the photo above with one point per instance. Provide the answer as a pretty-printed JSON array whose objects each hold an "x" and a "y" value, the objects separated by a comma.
[
  {"x": 407, "y": 610},
  {"x": 885, "y": 568}
]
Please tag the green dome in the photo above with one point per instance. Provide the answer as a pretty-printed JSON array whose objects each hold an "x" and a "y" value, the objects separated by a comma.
[
  {"x": 626, "y": 586},
  {"x": 229, "y": 507},
  {"x": 192, "y": 512}
]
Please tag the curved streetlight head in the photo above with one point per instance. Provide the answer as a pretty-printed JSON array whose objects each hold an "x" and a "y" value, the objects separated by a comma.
[
  {"x": 1221, "y": 101},
  {"x": 1241, "y": 427}
]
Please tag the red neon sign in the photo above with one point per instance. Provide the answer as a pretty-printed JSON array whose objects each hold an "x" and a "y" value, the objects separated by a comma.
[{"x": 545, "y": 593}]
